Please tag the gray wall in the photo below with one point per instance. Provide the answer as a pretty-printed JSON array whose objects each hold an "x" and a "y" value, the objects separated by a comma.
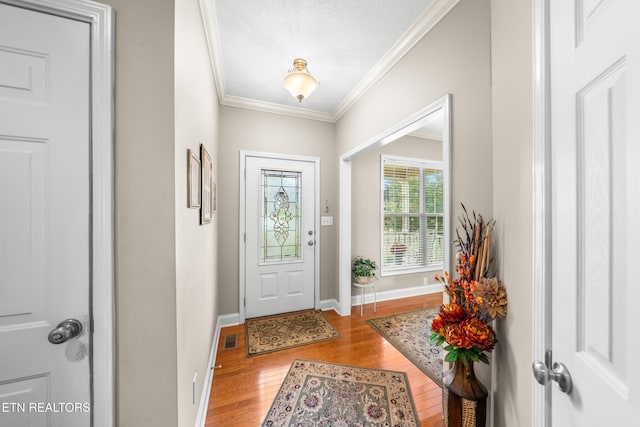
[
  {"x": 196, "y": 122},
  {"x": 145, "y": 238},
  {"x": 243, "y": 129},
  {"x": 511, "y": 27},
  {"x": 455, "y": 58},
  {"x": 165, "y": 262},
  {"x": 366, "y": 205}
]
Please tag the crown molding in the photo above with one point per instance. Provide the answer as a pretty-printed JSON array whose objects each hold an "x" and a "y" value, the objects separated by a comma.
[
  {"x": 210, "y": 23},
  {"x": 270, "y": 107},
  {"x": 424, "y": 24}
]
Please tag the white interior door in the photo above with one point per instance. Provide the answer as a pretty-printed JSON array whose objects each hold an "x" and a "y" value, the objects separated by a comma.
[
  {"x": 44, "y": 218},
  {"x": 280, "y": 236},
  {"x": 595, "y": 146}
]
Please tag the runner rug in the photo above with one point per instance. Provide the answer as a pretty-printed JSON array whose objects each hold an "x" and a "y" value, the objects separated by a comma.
[
  {"x": 273, "y": 333},
  {"x": 327, "y": 394},
  {"x": 410, "y": 333}
]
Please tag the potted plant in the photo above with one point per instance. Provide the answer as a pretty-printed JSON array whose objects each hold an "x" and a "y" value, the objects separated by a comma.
[
  {"x": 363, "y": 269},
  {"x": 464, "y": 325}
]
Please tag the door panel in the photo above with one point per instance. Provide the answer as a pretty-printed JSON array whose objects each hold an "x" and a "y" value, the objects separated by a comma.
[
  {"x": 595, "y": 99},
  {"x": 44, "y": 216},
  {"x": 22, "y": 166},
  {"x": 280, "y": 236}
]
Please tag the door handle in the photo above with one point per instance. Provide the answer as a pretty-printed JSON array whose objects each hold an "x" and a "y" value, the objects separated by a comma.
[
  {"x": 65, "y": 330},
  {"x": 558, "y": 372}
]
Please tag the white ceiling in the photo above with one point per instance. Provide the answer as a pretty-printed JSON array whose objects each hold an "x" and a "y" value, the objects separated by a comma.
[{"x": 348, "y": 45}]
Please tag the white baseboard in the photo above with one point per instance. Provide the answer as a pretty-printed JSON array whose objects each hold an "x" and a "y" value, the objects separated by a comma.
[
  {"x": 232, "y": 319},
  {"x": 224, "y": 320},
  {"x": 394, "y": 293},
  {"x": 201, "y": 418},
  {"x": 329, "y": 304}
]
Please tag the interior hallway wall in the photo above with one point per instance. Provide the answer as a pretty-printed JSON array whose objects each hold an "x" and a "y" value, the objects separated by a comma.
[
  {"x": 165, "y": 262},
  {"x": 511, "y": 27},
  {"x": 145, "y": 242},
  {"x": 196, "y": 122},
  {"x": 243, "y": 129},
  {"x": 455, "y": 58}
]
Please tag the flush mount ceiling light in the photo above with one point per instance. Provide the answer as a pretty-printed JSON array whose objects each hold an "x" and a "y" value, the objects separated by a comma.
[{"x": 299, "y": 82}]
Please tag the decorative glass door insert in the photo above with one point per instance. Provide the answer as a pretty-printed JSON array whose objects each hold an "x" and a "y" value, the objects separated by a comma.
[{"x": 280, "y": 219}]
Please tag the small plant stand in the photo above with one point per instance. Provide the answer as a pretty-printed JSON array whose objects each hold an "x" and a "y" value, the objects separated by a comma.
[{"x": 362, "y": 287}]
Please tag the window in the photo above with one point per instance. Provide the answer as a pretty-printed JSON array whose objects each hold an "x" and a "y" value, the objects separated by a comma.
[
  {"x": 280, "y": 218},
  {"x": 413, "y": 215}
]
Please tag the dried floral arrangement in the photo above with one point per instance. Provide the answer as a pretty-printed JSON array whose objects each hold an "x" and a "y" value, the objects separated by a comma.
[{"x": 476, "y": 296}]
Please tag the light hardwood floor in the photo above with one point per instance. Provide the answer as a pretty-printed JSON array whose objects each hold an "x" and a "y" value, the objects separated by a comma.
[{"x": 244, "y": 388}]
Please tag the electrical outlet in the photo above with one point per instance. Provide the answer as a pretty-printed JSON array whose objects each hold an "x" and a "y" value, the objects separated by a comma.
[{"x": 425, "y": 281}]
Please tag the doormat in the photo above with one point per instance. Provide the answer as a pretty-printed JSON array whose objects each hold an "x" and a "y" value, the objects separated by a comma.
[
  {"x": 410, "y": 333},
  {"x": 326, "y": 394},
  {"x": 273, "y": 333}
]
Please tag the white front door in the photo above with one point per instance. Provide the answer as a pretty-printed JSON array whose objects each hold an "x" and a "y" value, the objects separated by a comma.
[
  {"x": 45, "y": 208},
  {"x": 595, "y": 149},
  {"x": 280, "y": 235}
]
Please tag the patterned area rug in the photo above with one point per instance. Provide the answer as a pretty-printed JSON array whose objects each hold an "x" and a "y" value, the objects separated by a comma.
[
  {"x": 273, "y": 333},
  {"x": 326, "y": 394},
  {"x": 409, "y": 333}
]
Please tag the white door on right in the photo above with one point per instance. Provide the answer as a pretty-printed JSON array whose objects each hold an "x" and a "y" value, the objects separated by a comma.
[{"x": 595, "y": 146}]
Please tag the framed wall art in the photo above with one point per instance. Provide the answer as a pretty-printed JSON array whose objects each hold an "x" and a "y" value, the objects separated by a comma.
[
  {"x": 193, "y": 180},
  {"x": 207, "y": 194}
]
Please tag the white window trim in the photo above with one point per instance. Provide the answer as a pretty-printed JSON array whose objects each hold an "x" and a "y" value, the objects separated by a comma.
[
  {"x": 405, "y": 126},
  {"x": 411, "y": 162}
]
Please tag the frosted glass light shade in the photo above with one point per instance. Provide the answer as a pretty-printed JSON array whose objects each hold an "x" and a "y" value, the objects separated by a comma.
[{"x": 299, "y": 82}]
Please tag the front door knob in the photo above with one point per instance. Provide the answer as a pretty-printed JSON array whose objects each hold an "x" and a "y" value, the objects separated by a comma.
[{"x": 64, "y": 331}]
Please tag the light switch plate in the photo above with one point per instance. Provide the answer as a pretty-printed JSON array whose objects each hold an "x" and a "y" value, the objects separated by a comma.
[{"x": 326, "y": 220}]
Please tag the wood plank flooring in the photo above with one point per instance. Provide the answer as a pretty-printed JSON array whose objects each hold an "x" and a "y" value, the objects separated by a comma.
[{"x": 244, "y": 388}]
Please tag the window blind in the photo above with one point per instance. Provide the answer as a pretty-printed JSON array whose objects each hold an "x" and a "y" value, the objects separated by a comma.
[{"x": 413, "y": 217}]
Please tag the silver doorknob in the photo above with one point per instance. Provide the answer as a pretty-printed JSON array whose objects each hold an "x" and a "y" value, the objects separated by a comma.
[
  {"x": 558, "y": 372},
  {"x": 310, "y": 242},
  {"x": 65, "y": 330}
]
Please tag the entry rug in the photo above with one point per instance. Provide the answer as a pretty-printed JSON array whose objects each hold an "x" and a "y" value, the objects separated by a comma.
[
  {"x": 410, "y": 333},
  {"x": 273, "y": 333},
  {"x": 326, "y": 394}
]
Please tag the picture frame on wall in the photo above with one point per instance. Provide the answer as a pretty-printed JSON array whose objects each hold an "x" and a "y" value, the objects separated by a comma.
[
  {"x": 207, "y": 193},
  {"x": 193, "y": 180}
]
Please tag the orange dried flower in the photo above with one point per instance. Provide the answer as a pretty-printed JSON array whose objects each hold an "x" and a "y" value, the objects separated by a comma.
[
  {"x": 452, "y": 313},
  {"x": 456, "y": 337},
  {"x": 437, "y": 325},
  {"x": 478, "y": 333}
]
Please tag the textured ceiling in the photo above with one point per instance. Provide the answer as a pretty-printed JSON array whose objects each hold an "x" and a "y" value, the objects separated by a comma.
[{"x": 348, "y": 45}]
